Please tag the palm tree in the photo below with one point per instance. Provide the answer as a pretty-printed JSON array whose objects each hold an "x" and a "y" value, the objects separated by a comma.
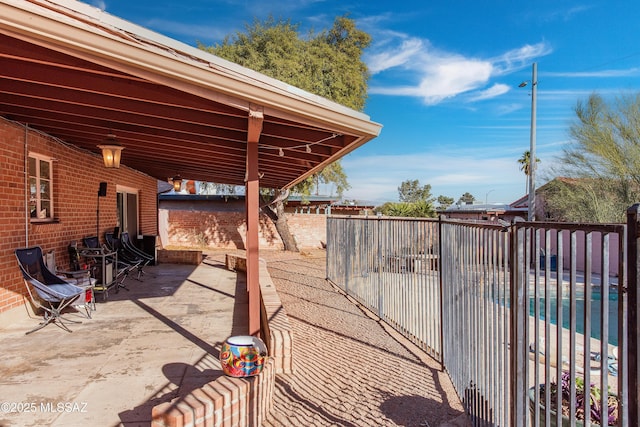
[{"x": 525, "y": 166}]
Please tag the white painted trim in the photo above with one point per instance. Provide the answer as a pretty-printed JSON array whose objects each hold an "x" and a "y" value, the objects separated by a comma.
[{"x": 125, "y": 189}]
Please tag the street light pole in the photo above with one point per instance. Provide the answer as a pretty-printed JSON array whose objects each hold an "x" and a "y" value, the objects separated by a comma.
[
  {"x": 486, "y": 197},
  {"x": 532, "y": 146}
]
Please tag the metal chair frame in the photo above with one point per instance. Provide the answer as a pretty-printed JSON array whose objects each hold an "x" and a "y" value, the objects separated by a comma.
[
  {"x": 115, "y": 244},
  {"x": 52, "y": 293},
  {"x": 122, "y": 268}
]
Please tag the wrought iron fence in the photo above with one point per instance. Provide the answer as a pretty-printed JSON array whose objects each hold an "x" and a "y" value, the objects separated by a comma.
[
  {"x": 508, "y": 310},
  {"x": 475, "y": 294},
  {"x": 390, "y": 266}
]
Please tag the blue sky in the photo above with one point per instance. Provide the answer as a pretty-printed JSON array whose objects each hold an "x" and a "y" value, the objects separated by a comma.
[{"x": 444, "y": 79}]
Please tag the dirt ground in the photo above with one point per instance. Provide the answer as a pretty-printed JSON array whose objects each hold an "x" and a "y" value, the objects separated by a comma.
[{"x": 350, "y": 369}]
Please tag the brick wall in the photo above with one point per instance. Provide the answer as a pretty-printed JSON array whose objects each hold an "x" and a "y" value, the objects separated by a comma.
[
  {"x": 192, "y": 257},
  {"x": 227, "y": 401},
  {"x": 222, "y": 225},
  {"x": 76, "y": 178}
]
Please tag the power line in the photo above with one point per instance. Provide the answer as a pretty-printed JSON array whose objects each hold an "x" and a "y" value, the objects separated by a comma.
[{"x": 611, "y": 61}]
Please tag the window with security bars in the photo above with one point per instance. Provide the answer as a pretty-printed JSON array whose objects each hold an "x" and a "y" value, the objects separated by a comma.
[{"x": 40, "y": 187}]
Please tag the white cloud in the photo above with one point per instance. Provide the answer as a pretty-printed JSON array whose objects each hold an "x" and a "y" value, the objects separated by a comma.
[
  {"x": 505, "y": 109},
  {"x": 564, "y": 14},
  {"x": 451, "y": 76},
  {"x": 516, "y": 59},
  {"x": 495, "y": 90},
  {"x": 602, "y": 74},
  {"x": 395, "y": 57},
  {"x": 440, "y": 76},
  {"x": 435, "y": 75}
]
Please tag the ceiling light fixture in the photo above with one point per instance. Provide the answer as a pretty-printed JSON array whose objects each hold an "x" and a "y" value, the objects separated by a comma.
[
  {"x": 177, "y": 183},
  {"x": 111, "y": 151}
]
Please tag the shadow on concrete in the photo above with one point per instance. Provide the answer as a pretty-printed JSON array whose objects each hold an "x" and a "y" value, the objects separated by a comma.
[
  {"x": 156, "y": 283},
  {"x": 179, "y": 329},
  {"x": 184, "y": 378}
]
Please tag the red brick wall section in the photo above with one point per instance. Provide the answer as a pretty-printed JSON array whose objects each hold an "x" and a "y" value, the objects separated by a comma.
[
  {"x": 227, "y": 230},
  {"x": 76, "y": 178},
  {"x": 166, "y": 256},
  {"x": 224, "y": 402},
  {"x": 309, "y": 230}
]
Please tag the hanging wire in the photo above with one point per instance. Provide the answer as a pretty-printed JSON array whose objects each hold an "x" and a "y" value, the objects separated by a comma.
[{"x": 307, "y": 146}]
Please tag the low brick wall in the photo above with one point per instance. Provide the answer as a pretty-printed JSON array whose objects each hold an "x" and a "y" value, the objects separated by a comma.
[
  {"x": 276, "y": 328},
  {"x": 224, "y": 402},
  {"x": 231, "y": 401},
  {"x": 236, "y": 263},
  {"x": 172, "y": 256}
]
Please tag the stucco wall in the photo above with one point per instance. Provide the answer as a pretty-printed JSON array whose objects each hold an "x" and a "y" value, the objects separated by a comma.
[{"x": 76, "y": 178}]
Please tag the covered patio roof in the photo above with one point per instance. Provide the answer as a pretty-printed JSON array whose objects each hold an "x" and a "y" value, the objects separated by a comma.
[{"x": 80, "y": 74}]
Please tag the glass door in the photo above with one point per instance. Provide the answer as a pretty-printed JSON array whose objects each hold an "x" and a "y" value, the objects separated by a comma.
[{"x": 127, "y": 203}]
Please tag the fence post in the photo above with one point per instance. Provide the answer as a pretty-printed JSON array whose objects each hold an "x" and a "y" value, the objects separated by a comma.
[
  {"x": 380, "y": 260},
  {"x": 633, "y": 308},
  {"x": 441, "y": 287},
  {"x": 519, "y": 320}
]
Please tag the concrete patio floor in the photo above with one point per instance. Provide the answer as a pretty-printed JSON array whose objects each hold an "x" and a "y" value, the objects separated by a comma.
[{"x": 141, "y": 347}]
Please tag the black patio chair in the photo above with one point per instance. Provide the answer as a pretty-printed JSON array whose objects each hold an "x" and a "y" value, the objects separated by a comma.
[
  {"x": 126, "y": 242},
  {"x": 47, "y": 291},
  {"x": 115, "y": 244}
]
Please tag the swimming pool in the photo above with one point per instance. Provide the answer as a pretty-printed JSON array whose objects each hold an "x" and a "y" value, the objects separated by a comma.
[{"x": 596, "y": 298}]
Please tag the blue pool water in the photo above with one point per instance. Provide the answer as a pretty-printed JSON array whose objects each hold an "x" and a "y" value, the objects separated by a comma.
[{"x": 596, "y": 299}]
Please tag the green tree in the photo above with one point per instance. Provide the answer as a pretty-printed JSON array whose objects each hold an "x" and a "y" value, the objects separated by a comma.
[
  {"x": 415, "y": 202},
  {"x": 333, "y": 175},
  {"x": 581, "y": 200},
  {"x": 394, "y": 209},
  {"x": 525, "y": 166},
  {"x": 422, "y": 209},
  {"x": 328, "y": 64},
  {"x": 602, "y": 162},
  {"x": 466, "y": 199},
  {"x": 445, "y": 201},
  {"x": 411, "y": 191},
  {"x": 419, "y": 209}
]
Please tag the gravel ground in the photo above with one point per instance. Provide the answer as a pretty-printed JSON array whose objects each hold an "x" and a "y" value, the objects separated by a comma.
[{"x": 350, "y": 369}]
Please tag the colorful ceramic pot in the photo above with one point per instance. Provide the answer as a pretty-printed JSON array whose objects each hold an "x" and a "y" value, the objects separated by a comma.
[{"x": 243, "y": 356}]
